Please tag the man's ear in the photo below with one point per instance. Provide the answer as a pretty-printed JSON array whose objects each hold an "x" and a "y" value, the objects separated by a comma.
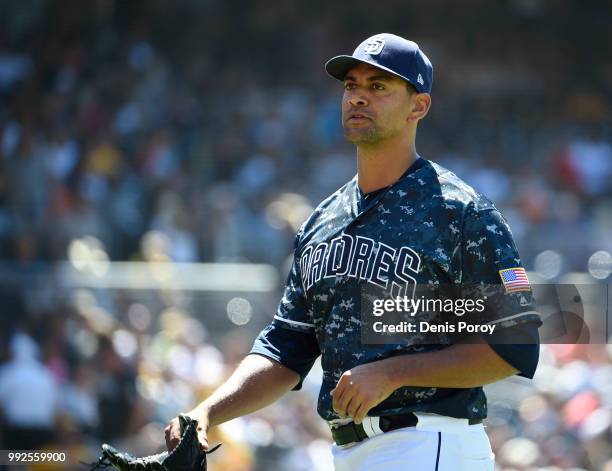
[{"x": 421, "y": 102}]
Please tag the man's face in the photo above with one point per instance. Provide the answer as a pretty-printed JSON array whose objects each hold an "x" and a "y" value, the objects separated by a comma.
[{"x": 375, "y": 105}]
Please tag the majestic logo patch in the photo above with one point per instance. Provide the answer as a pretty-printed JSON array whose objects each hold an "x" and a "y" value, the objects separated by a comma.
[
  {"x": 515, "y": 279},
  {"x": 374, "y": 46},
  {"x": 420, "y": 79}
]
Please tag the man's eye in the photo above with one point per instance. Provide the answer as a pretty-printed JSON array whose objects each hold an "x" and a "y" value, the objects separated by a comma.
[
  {"x": 349, "y": 86},
  {"x": 378, "y": 86}
]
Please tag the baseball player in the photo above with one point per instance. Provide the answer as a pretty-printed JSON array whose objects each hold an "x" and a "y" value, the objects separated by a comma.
[{"x": 400, "y": 223}]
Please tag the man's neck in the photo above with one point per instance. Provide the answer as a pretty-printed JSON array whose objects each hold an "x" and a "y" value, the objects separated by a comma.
[{"x": 382, "y": 165}]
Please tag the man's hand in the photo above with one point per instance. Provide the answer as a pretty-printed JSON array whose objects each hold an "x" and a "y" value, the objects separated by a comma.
[
  {"x": 360, "y": 389},
  {"x": 173, "y": 430}
]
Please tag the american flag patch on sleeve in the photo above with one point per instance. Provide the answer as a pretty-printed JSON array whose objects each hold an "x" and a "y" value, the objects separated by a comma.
[{"x": 514, "y": 279}]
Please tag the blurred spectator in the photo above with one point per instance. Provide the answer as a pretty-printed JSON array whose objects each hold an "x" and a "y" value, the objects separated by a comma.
[
  {"x": 79, "y": 398},
  {"x": 116, "y": 393},
  {"x": 29, "y": 397}
]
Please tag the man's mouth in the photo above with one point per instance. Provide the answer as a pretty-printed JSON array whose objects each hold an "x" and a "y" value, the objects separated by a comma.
[{"x": 357, "y": 117}]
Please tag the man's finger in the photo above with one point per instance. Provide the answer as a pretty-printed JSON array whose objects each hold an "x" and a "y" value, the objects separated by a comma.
[
  {"x": 169, "y": 439},
  {"x": 204, "y": 443},
  {"x": 339, "y": 389},
  {"x": 337, "y": 394},
  {"x": 167, "y": 436},
  {"x": 340, "y": 402},
  {"x": 345, "y": 408},
  {"x": 202, "y": 436},
  {"x": 360, "y": 414},
  {"x": 353, "y": 406}
]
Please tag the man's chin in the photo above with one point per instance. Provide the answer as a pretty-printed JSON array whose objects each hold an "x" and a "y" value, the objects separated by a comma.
[{"x": 359, "y": 136}]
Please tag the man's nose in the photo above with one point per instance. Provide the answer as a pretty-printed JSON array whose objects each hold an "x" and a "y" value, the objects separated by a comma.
[{"x": 358, "y": 100}]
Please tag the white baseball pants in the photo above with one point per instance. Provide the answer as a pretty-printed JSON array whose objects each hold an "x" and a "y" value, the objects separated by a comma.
[{"x": 437, "y": 443}]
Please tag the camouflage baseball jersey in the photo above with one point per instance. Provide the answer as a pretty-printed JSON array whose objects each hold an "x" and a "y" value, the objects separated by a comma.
[{"x": 428, "y": 228}]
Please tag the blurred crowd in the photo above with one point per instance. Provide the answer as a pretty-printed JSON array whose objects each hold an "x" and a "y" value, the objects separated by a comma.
[
  {"x": 216, "y": 126},
  {"x": 210, "y": 129}
]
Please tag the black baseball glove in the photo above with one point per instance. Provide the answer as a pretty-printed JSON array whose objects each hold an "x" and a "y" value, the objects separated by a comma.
[{"x": 187, "y": 456}]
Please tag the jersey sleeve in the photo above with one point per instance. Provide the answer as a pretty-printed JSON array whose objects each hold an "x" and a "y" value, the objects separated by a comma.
[
  {"x": 290, "y": 338},
  {"x": 491, "y": 270},
  {"x": 524, "y": 353}
]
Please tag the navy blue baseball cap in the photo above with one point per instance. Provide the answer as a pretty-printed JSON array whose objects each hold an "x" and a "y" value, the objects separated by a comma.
[{"x": 389, "y": 52}]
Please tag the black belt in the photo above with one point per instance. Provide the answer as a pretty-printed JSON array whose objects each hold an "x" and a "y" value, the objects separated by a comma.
[{"x": 353, "y": 432}]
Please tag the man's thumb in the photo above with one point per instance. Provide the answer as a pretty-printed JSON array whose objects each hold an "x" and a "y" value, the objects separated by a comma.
[{"x": 203, "y": 441}]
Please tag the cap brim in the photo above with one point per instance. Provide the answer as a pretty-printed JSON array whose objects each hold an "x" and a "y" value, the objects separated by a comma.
[{"x": 338, "y": 66}]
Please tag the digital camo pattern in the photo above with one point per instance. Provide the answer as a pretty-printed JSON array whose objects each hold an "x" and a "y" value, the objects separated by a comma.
[{"x": 429, "y": 228}]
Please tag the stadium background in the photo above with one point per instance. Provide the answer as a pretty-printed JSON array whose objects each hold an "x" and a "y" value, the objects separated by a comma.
[{"x": 157, "y": 157}]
